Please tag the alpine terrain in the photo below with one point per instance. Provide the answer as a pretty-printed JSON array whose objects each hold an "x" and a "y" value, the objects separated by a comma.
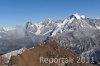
[{"x": 78, "y": 33}]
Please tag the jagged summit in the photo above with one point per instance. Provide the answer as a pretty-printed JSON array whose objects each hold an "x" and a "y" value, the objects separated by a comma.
[
  {"x": 77, "y": 16},
  {"x": 29, "y": 23}
]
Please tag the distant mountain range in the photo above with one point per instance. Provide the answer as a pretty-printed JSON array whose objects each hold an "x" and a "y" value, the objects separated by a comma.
[{"x": 77, "y": 32}]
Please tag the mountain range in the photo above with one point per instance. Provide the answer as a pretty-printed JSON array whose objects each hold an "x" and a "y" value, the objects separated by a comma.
[{"x": 77, "y": 32}]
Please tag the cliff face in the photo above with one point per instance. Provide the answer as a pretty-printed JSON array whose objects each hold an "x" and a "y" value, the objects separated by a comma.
[{"x": 39, "y": 56}]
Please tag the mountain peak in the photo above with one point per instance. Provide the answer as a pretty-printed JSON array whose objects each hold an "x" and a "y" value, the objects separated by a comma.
[
  {"x": 49, "y": 19},
  {"x": 29, "y": 23},
  {"x": 77, "y": 16}
]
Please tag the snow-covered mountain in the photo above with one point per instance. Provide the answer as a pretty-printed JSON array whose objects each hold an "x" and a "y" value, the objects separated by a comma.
[
  {"x": 77, "y": 32},
  {"x": 74, "y": 22}
]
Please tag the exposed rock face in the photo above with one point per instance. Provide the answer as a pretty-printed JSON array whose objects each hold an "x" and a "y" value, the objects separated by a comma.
[{"x": 28, "y": 24}]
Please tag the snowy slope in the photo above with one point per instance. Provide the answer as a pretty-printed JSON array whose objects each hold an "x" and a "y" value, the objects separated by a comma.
[
  {"x": 75, "y": 21},
  {"x": 13, "y": 53}
]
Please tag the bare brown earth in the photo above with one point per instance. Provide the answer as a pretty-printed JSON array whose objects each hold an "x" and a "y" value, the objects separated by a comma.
[
  {"x": 31, "y": 57},
  {"x": 1, "y": 61}
]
